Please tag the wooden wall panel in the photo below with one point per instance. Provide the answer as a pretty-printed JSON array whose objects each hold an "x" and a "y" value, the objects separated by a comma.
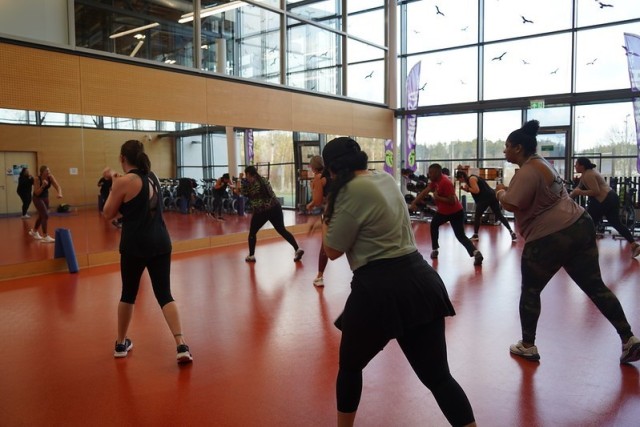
[
  {"x": 52, "y": 81},
  {"x": 34, "y": 79},
  {"x": 241, "y": 105},
  {"x": 122, "y": 90}
]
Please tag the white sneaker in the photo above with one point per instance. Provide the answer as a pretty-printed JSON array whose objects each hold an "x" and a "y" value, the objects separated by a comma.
[
  {"x": 35, "y": 235},
  {"x": 635, "y": 251},
  {"x": 47, "y": 239},
  {"x": 630, "y": 350},
  {"x": 25, "y": 216},
  {"x": 529, "y": 353},
  {"x": 318, "y": 281}
]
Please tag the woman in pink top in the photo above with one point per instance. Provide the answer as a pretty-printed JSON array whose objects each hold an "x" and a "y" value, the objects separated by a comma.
[
  {"x": 603, "y": 200},
  {"x": 558, "y": 234}
]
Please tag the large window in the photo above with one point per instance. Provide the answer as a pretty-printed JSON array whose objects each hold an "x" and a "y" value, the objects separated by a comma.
[
  {"x": 244, "y": 39},
  {"x": 489, "y": 65}
]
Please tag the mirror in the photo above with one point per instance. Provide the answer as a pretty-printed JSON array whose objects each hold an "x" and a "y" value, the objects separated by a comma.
[{"x": 76, "y": 157}]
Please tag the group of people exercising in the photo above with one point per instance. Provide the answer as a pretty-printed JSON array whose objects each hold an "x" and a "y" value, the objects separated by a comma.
[{"x": 395, "y": 293}]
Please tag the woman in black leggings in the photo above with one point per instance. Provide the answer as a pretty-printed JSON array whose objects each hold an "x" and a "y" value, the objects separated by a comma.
[
  {"x": 395, "y": 294},
  {"x": 265, "y": 207},
  {"x": 144, "y": 243},
  {"x": 25, "y": 185}
]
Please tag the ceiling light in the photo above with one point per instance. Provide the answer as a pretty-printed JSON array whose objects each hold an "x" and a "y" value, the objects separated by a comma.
[
  {"x": 133, "y": 30},
  {"x": 187, "y": 17}
]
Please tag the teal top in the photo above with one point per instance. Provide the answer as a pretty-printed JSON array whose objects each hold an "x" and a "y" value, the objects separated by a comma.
[{"x": 370, "y": 221}]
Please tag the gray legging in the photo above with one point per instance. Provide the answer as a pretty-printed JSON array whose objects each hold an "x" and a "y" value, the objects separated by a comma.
[
  {"x": 575, "y": 250},
  {"x": 42, "y": 205}
]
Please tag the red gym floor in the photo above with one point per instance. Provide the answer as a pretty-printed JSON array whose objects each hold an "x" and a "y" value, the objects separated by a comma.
[{"x": 265, "y": 349}]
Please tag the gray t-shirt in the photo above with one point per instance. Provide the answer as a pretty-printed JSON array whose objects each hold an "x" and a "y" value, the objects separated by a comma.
[
  {"x": 542, "y": 209},
  {"x": 370, "y": 221}
]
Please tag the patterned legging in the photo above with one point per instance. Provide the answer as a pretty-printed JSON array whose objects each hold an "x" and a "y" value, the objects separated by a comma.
[{"x": 575, "y": 250}]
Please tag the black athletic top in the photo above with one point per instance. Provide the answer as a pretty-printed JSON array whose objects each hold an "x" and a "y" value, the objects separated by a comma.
[
  {"x": 25, "y": 183},
  {"x": 44, "y": 194},
  {"x": 144, "y": 233},
  {"x": 486, "y": 193}
]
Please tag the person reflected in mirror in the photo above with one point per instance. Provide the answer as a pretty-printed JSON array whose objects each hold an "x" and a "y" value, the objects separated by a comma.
[
  {"x": 104, "y": 187},
  {"x": 319, "y": 191},
  {"x": 558, "y": 233},
  {"x": 395, "y": 293},
  {"x": 265, "y": 207},
  {"x": 144, "y": 244},
  {"x": 603, "y": 201},
  {"x": 485, "y": 198},
  {"x": 24, "y": 190},
  {"x": 42, "y": 183},
  {"x": 220, "y": 193}
]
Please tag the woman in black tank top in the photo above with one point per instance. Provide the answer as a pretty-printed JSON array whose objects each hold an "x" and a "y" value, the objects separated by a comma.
[{"x": 145, "y": 243}]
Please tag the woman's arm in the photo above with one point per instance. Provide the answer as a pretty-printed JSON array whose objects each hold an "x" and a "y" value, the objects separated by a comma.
[
  {"x": 39, "y": 186},
  {"x": 473, "y": 185},
  {"x": 317, "y": 192},
  {"x": 588, "y": 186},
  {"x": 55, "y": 185},
  {"x": 331, "y": 253},
  {"x": 500, "y": 192},
  {"x": 420, "y": 197},
  {"x": 116, "y": 196}
]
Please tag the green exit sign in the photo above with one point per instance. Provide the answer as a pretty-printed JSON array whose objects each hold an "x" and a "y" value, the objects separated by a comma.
[{"x": 537, "y": 103}]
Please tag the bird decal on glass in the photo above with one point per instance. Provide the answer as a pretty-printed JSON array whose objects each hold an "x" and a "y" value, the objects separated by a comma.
[
  {"x": 438, "y": 11},
  {"x": 592, "y": 62},
  {"x": 423, "y": 86},
  {"x": 524, "y": 62},
  {"x": 499, "y": 58},
  {"x": 525, "y": 20},
  {"x": 628, "y": 52},
  {"x": 603, "y": 5},
  {"x": 554, "y": 71},
  {"x": 368, "y": 76}
]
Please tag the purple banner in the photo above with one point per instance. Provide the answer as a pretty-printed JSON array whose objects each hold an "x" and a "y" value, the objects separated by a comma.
[
  {"x": 248, "y": 145},
  {"x": 413, "y": 91},
  {"x": 388, "y": 156},
  {"x": 632, "y": 48}
]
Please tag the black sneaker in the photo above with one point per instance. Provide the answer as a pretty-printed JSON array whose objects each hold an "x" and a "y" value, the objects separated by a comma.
[
  {"x": 434, "y": 254},
  {"x": 184, "y": 356},
  {"x": 474, "y": 238},
  {"x": 122, "y": 349},
  {"x": 298, "y": 255},
  {"x": 477, "y": 258},
  {"x": 514, "y": 236}
]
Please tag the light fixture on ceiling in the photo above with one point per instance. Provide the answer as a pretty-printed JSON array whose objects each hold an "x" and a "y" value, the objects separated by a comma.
[
  {"x": 133, "y": 30},
  {"x": 188, "y": 17}
]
